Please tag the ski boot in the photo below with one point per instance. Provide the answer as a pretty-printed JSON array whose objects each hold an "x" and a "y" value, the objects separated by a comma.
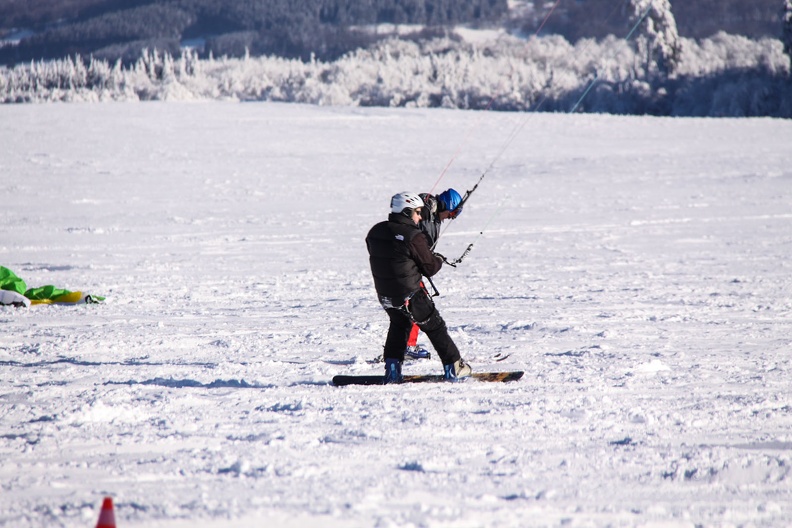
[
  {"x": 416, "y": 352},
  {"x": 393, "y": 373},
  {"x": 456, "y": 370}
]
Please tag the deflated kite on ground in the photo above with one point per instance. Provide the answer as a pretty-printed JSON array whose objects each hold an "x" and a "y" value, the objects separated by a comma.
[{"x": 14, "y": 291}]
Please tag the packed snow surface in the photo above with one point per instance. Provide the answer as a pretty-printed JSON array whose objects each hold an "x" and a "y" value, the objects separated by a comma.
[{"x": 639, "y": 270}]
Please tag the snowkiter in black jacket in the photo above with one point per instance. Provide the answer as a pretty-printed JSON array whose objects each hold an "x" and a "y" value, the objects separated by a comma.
[{"x": 400, "y": 255}]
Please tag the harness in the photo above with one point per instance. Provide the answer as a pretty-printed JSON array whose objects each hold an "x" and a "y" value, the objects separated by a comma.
[{"x": 387, "y": 304}]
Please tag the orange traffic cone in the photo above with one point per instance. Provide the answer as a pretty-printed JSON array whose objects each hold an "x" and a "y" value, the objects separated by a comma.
[{"x": 107, "y": 515}]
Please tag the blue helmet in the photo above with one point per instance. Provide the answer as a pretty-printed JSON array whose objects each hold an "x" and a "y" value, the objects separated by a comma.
[{"x": 451, "y": 201}]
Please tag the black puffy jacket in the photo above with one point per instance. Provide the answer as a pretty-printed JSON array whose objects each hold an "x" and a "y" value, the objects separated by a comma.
[{"x": 399, "y": 255}]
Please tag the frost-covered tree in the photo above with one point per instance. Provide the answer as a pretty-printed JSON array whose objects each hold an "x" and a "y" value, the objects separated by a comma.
[
  {"x": 658, "y": 38},
  {"x": 787, "y": 31}
]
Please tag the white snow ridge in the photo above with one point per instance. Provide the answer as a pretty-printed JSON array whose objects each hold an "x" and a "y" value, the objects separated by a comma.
[{"x": 637, "y": 269}]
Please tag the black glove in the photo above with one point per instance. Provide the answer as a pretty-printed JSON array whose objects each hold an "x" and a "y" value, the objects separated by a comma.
[
  {"x": 430, "y": 202},
  {"x": 441, "y": 257}
]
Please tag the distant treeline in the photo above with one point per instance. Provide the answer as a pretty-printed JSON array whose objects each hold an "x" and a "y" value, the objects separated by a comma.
[
  {"x": 326, "y": 29},
  {"x": 725, "y": 75}
]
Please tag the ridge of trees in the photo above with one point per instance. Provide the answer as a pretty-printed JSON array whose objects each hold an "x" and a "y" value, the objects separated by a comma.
[
  {"x": 290, "y": 28},
  {"x": 653, "y": 69},
  {"x": 327, "y": 29},
  {"x": 725, "y": 75}
]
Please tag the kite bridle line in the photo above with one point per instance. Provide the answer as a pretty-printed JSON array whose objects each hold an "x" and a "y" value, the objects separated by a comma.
[
  {"x": 466, "y": 139},
  {"x": 512, "y": 136}
]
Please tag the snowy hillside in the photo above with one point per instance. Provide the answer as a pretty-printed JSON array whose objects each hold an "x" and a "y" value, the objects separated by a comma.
[
  {"x": 638, "y": 270},
  {"x": 722, "y": 76}
]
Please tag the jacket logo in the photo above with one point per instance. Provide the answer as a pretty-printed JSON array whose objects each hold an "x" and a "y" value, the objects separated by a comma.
[{"x": 400, "y": 237}]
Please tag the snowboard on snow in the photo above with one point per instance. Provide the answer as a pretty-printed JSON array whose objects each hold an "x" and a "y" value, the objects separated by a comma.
[{"x": 502, "y": 377}]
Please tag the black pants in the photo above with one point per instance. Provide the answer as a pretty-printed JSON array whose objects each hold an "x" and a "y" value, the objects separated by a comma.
[{"x": 429, "y": 321}]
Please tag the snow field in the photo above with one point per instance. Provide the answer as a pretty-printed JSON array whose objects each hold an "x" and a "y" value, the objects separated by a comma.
[{"x": 636, "y": 268}]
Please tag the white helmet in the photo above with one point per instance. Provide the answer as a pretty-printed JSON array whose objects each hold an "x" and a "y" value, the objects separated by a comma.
[{"x": 405, "y": 200}]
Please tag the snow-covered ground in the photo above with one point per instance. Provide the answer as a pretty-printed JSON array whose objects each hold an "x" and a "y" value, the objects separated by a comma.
[{"x": 638, "y": 269}]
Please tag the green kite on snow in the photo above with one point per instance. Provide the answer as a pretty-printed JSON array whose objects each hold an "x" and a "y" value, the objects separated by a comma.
[{"x": 14, "y": 291}]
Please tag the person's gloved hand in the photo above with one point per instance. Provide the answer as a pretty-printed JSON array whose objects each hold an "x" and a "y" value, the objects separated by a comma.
[{"x": 430, "y": 202}]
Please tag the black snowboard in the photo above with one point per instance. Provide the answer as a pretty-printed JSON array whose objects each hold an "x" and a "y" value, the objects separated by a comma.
[{"x": 502, "y": 377}]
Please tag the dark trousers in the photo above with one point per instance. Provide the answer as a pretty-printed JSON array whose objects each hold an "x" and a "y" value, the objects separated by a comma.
[{"x": 429, "y": 321}]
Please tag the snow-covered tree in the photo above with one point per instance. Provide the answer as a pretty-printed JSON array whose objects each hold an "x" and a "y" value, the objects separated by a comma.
[
  {"x": 658, "y": 38},
  {"x": 787, "y": 32}
]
